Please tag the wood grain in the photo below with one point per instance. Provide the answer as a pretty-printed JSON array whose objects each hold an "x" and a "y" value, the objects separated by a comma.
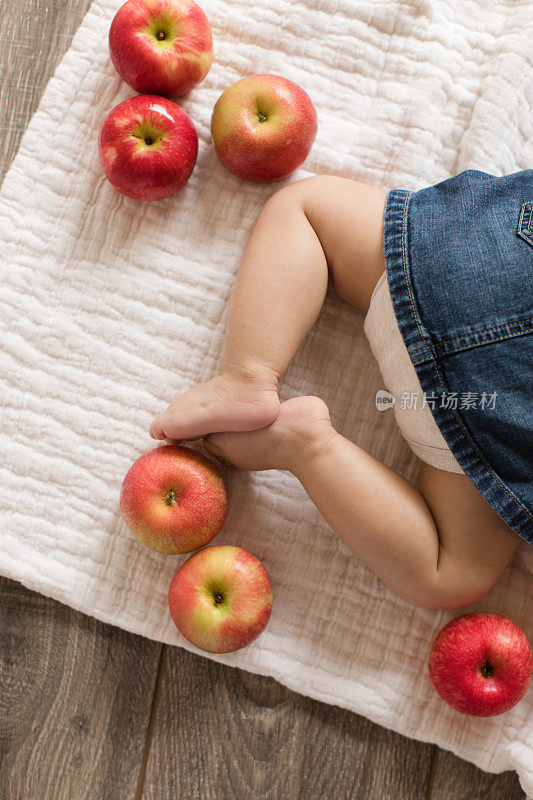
[
  {"x": 224, "y": 733},
  {"x": 75, "y": 701},
  {"x": 457, "y": 779},
  {"x": 80, "y": 719},
  {"x": 34, "y": 35},
  {"x": 88, "y": 711}
]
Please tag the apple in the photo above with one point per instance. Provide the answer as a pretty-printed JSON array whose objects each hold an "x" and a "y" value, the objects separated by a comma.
[
  {"x": 220, "y": 599},
  {"x": 173, "y": 499},
  {"x": 263, "y": 127},
  {"x": 481, "y": 664},
  {"x": 161, "y": 46},
  {"x": 148, "y": 147}
]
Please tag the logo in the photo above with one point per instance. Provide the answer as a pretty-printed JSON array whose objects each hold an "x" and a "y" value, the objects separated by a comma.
[{"x": 384, "y": 400}]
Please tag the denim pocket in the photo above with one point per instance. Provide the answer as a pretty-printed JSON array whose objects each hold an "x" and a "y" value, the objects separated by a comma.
[{"x": 525, "y": 223}]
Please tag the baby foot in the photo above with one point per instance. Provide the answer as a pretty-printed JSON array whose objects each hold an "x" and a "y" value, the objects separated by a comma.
[
  {"x": 300, "y": 431},
  {"x": 237, "y": 401}
]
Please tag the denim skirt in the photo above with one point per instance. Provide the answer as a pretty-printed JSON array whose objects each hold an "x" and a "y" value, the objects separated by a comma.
[{"x": 459, "y": 261}]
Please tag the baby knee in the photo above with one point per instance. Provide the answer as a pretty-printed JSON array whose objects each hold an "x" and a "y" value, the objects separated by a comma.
[{"x": 456, "y": 587}]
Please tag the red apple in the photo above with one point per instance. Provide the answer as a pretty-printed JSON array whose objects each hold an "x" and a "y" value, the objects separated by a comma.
[
  {"x": 161, "y": 46},
  {"x": 220, "y": 599},
  {"x": 481, "y": 664},
  {"x": 148, "y": 147},
  {"x": 263, "y": 127},
  {"x": 173, "y": 499}
]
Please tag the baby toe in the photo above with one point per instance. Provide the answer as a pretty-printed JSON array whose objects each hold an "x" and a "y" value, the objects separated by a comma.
[{"x": 156, "y": 429}]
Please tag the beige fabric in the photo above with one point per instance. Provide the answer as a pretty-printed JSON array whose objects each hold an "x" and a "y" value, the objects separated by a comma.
[{"x": 413, "y": 415}]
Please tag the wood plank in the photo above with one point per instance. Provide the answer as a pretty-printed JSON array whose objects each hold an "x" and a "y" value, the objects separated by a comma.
[
  {"x": 74, "y": 704},
  {"x": 453, "y": 777},
  {"x": 34, "y": 35},
  {"x": 223, "y": 733}
]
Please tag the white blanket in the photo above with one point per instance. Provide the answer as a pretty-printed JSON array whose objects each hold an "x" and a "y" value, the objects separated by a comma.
[{"x": 111, "y": 307}]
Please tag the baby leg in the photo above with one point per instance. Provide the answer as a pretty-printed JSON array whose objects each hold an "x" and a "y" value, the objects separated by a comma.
[
  {"x": 308, "y": 232},
  {"x": 442, "y": 547}
]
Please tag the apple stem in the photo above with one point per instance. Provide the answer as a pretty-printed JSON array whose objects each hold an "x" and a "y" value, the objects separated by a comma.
[
  {"x": 170, "y": 497},
  {"x": 161, "y": 35},
  {"x": 486, "y": 670}
]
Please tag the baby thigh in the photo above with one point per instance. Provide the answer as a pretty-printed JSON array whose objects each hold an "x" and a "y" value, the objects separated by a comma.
[
  {"x": 475, "y": 544},
  {"x": 347, "y": 217}
]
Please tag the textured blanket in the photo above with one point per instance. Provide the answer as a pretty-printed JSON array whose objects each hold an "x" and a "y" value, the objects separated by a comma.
[{"x": 111, "y": 307}]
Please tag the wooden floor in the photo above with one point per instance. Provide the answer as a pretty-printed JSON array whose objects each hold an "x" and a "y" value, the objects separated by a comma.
[{"x": 90, "y": 712}]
